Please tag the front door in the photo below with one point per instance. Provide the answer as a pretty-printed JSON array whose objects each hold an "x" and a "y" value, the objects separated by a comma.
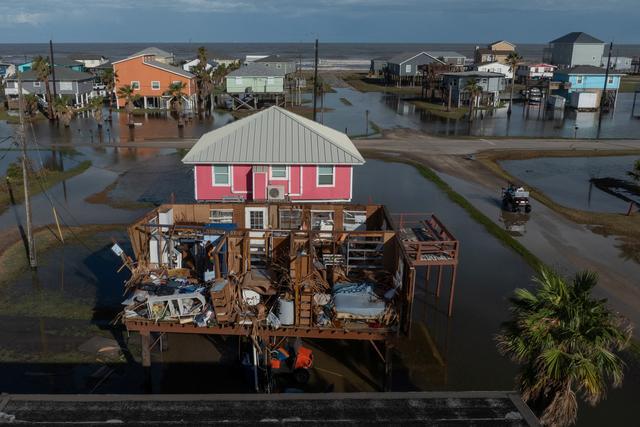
[{"x": 256, "y": 220}]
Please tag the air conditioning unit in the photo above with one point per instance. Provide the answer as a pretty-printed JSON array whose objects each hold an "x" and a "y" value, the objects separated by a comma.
[{"x": 275, "y": 192}]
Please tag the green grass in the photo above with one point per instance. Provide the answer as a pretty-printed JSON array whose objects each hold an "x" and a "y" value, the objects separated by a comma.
[
  {"x": 440, "y": 110},
  {"x": 46, "y": 179},
  {"x": 14, "y": 119}
]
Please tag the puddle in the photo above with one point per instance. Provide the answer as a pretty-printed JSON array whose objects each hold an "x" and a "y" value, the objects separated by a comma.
[{"x": 567, "y": 179}]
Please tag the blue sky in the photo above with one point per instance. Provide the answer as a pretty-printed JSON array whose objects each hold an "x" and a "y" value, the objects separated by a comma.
[{"x": 531, "y": 21}]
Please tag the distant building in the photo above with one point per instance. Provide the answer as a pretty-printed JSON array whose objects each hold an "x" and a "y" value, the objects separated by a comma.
[
  {"x": 491, "y": 83},
  {"x": 260, "y": 81},
  {"x": 494, "y": 52},
  {"x": 618, "y": 63},
  {"x": 535, "y": 71},
  {"x": 254, "y": 58},
  {"x": 7, "y": 69},
  {"x": 224, "y": 60},
  {"x": 74, "y": 84},
  {"x": 158, "y": 54},
  {"x": 151, "y": 78},
  {"x": 451, "y": 58},
  {"x": 89, "y": 61},
  {"x": 496, "y": 67},
  {"x": 575, "y": 49},
  {"x": 589, "y": 80},
  {"x": 404, "y": 67},
  {"x": 278, "y": 62},
  {"x": 188, "y": 66},
  {"x": 274, "y": 155},
  {"x": 59, "y": 62}
]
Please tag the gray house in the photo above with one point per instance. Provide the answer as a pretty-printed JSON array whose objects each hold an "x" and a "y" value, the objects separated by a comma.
[
  {"x": 491, "y": 83},
  {"x": 573, "y": 49},
  {"x": 74, "y": 84},
  {"x": 451, "y": 58},
  {"x": 277, "y": 61},
  {"x": 404, "y": 67}
]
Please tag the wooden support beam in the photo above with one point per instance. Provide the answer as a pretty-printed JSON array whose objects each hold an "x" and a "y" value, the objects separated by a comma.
[
  {"x": 439, "y": 281},
  {"x": 145, "y": 342},
  {"x": 453, "y": 288},
  {"x": 388, "y": 366}
]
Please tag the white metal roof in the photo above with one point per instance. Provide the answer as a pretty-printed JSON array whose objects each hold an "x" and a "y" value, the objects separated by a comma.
[{"x": 274, "y": 136}]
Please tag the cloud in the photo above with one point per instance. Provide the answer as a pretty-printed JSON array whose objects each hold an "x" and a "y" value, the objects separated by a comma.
[{"x": 21, "y": 18}]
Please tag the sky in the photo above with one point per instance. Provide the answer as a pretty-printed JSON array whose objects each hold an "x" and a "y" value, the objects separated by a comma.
[{"x": 426, "y": 21}]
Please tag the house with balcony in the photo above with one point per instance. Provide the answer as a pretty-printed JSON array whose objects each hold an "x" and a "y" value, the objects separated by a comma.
[
  {"x": 497, "y": 51},
  {"x": 405, "y": 68},
  {"x": 274, "y": 155},
  {"x": 535, "y": 71},
  {"x": 490, "y": 83},
  {"x": 574, "y": 49},
  {"x": 495, "y": 67},
  {"x": 74, "y": 84},
  {"x": 255, "y": 83},
  {"x": 584, "y": 86},
  {"x": 150, "y": 74}
]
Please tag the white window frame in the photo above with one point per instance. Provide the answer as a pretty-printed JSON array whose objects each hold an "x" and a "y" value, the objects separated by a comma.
[
  {"x": 407, "y": 68},
  {"x": 152, "y": 85},
  {"x": 286, "y": 173},
  {"x": 238, "y": 80},
  {"x": 321, "y": 215},
  {"x": 65, "y": 86},
  {"x": 610, "y": 80},
  {"x": 290, "y": 222},
  {"x": 271, "y": 80},
  {"x": 213, "y": 176},
  {"x": 225, "y": 216},
  {"x": 333, "y": 176},
  {"x": 37, "y": 84},
  {"x": 579, "y": 80},
  {"x": 135, "y": 83}
]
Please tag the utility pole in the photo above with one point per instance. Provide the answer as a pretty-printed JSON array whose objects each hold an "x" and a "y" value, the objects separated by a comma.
[
  {"x": 604, "y": 90},
  {"x": 315, "y": 84},
  {"x": 53, "y": 70},
  {"x": 31, "y": 247},
  {"x": 366, "y": 122}
]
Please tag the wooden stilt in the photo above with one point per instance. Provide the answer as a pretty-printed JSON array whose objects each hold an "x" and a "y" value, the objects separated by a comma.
[
  {"x": 453, "y": 288},
  {"x": 388, "y": 369},
  {"x": 145, "y": 342},
  {"x": 426, "y": 279},
  {"x": 439, "y": 281}
]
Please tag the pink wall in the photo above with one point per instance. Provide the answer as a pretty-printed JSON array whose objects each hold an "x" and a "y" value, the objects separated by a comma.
[{"x": 301, "y": 184}]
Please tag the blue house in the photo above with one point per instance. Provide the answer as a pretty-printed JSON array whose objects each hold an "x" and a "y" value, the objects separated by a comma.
[
  {"x": 59, "y": 62},
  {"x": 583, "y": 85}
]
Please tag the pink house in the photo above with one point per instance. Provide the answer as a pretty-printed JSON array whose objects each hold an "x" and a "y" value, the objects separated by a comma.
[{"x": 274, "y": 155}]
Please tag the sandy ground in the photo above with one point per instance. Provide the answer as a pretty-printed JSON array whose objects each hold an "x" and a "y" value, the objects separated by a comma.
[{"x": 557, "y": 241}]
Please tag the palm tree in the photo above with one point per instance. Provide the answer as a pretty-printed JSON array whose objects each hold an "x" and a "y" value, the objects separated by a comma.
[
  {"x": 63, "y": 110},
  {"x": 567, "y": 344},
  {"x": 128, "y": 93},
  {"x": 30, "y": 105},
  {"x": 176, "y": 92},
  {"x": 42, "y": 68},
  {"x": 95, "y": 105},
  {"x": 203, "y": 79},
  {"x": 513, "y": 60},
  {"x": 108, "y": 79},
  {"x": 474, "y": 90}
]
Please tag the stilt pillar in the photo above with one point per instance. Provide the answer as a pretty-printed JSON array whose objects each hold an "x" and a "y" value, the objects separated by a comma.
[
  {"x": 439, "y": 281},
  {"x": 453, "y": 288},
  {"x": 388, "y": 365},
  {"x": 145, "y": 342}
]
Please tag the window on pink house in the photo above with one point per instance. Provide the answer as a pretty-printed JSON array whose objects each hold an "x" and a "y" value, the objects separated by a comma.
[
  {"x": 221, "y": 175},
  {"x": 326, "y": 176},
  {"x": 279, "y": 172}
]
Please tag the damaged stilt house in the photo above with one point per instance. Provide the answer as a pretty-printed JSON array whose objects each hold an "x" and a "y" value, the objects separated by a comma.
[{"x": 268, "y": 270}]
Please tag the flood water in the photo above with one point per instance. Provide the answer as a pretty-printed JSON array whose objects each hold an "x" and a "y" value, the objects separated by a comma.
[
  {"x": 85, "y": 271},
  {"x": 390, "y": 110},
  {"x": 567, "y": 179}
]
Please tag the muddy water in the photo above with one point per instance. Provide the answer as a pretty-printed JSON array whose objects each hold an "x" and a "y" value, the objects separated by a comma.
[
  {"x": 566, "y": 180},
  {"x": 457, "y": 353}
]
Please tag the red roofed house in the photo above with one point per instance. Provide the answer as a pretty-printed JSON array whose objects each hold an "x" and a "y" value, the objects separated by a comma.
[
  {"x": 274, "y": 155},
  {"x": 150, "y": 73}
]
